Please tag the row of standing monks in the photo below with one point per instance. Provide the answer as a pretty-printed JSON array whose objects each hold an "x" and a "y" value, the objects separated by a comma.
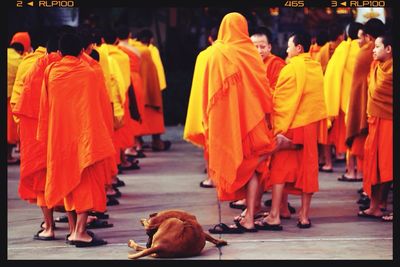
[
  {"x": 75, "y": 107},
  {"x": 241, "y": 104}
]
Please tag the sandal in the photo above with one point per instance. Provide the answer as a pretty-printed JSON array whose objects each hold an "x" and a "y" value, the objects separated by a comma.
[
  {"x": 94, "y": 242},
  {"x": 43, "y": 238},
  {"x": 363, "y": 214},
  {"x": 262, "y": 225},
  {"x": 222, "y": 228},
  {"x": 233, "y": 205},
  {"x": 204, "y": 185},
  {"x": 304, "y": 225},
  {"x": 95, "y": 224},
  {"x": 344, "y": 178}
]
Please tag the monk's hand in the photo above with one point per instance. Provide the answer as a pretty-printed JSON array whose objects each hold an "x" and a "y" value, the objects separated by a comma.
[{"x": 118, "y": 122}]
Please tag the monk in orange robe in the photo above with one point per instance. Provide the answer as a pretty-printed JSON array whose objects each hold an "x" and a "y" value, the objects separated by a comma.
[
  {"x": 14, "y": 59},
  {"x": 337, "y": 86},
  {"x": 334, "y": 125},
  {"x": 261, "y": 38},
  {"x": 136, "y": 108},
  {"x": 33, "y": 152},
  {"x": 378, "y": 158},
  {"x": 153, "y": 116},
  {"x": 357, "y": 124},
  {"x": 236, "y": 100},
  {"x": 298, "y": 107},
  {"x": 194, "y": 130},
  {"x": 125, "y": 134},
  {"x": 77, "y": 138}
]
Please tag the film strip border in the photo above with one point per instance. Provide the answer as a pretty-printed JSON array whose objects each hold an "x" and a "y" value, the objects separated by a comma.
[{"x": 198, "y": 3}]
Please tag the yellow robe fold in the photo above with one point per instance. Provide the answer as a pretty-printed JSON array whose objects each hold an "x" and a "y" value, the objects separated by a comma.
[{"x": 155, "y": 55}]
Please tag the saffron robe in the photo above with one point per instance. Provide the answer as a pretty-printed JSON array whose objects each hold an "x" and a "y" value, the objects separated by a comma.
[
  {"x": 236, "y": 99},
  {"x": 298, "y": 108},
  {"x": 75, "y": 133}
]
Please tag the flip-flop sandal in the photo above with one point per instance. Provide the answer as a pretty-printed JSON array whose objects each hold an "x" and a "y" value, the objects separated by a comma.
[
  {"x": 222, "y": 228},
  {"x": 321, "y": 169},
  {"x": 43, "y": 238},
  {"x": 99, "y": 215},
  {"x": 112, "y": 201},
  {"x": 344, "y": 178},
  {"x": 268, "y": 227},
  {"x": 117, "y": 194},
  {"x": 244, "y": 229},
  {"x": 363, "y": 214},
  {"x": 95, "y": 224},
  {"x": 233, "y": 205},
  {"x": 202, "y": 184},
  {"x": 133, "y": 166},
  {"x": 304, "y": 225},
  {"x": 258, "y": 215},
  {"x": 72, "y": 242},
  {"x": 93, "y": 243},
  {"x": 119, "y": 183},
  {"x": 61, "y": 219}
]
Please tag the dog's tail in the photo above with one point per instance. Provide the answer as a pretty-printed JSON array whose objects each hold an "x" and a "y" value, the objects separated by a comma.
[
  {"x": 144, "y": 253},
  {"x": 217, "y": 242}
]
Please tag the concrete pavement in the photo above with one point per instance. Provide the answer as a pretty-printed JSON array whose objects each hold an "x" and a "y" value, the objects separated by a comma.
[{"x": 170, "y": 180}]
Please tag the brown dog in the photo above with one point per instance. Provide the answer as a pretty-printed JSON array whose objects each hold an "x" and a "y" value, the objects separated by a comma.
[{"x": 172, "y": 234}]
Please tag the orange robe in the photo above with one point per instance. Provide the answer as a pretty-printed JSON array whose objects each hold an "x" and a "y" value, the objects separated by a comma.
[
  {"x": 378, "y": 159},
  {"x": 236, "y": 99},
  {"x": 136, "y": 81},
  {"x": 33, "y": 152},
  {"x": 273, "y": 65},
  {"x": 299, "y": 106},
  {"x": 124, "y": 135},
  {"x": 357, "y": 125},
  {"x": 153, "y": 115},
  {"x": 77, "y": 137},
  {"x": 107, "y": 112},
  {"x": 13, "y": 61}
]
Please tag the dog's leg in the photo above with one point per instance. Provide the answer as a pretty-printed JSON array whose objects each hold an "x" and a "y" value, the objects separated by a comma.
[
  {"x": 143, "y": 253},
  {"x": 217, "y": 242},
  {"x": 135, "y": 246}
]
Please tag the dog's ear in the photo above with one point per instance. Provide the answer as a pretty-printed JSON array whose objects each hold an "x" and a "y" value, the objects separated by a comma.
[{"x": 153, "y": 215}]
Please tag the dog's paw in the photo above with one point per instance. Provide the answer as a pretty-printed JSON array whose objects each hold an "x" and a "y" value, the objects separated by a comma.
[{"x": 132, "y": 244}]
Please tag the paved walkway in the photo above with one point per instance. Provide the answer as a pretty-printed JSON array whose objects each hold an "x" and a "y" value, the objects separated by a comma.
[{"x": 169, "y": 180}]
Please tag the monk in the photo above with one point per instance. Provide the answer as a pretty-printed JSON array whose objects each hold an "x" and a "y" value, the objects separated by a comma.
[
  {"x": 337, "y": 85},
  {"x": 261, "y": 38},
  {"x": 153, "y": 115},
  {"x": 298, "y": 107},
  {"x": 71, "y": 104},
  {"x": 125, "y": 133},
  {"x": 194, "y": 130},
  {"x": 14, "y": 59},
  {"x": 357, "y": 125},
  {"x": 33, "y": 152},
  {"x": 136, "y": 104},
  {"x": 335, "y": 124},
  {"x": 378, "y": 158},
  {"x": 238, "y": 141}
]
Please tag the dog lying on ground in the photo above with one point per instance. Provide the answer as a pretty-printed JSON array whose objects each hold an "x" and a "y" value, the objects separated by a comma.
[{"x": 173, "y": 234}]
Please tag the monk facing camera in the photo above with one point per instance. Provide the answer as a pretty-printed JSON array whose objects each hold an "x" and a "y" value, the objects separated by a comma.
[{"x": 173, "y": 234}]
